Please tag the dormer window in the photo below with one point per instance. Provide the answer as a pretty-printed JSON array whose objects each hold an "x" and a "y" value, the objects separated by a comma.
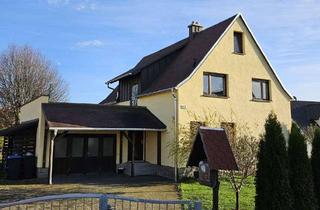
[
  {"x": 134, "y": 95},
  {"x": 238, "y": 42}
]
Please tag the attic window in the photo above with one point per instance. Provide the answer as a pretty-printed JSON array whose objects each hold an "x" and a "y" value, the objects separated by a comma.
[{"x": 238, "y": 42}]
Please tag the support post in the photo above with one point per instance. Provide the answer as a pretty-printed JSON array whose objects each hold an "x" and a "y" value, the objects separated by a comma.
[
  {"x": 103, "y": 202},
  {"x": 197, "y": 205},
  {"x": 159, "y": 147},
  {"x": 121, "y": 142},
  {"x": 215, "y": 189},
  {"x": 51, "y": 156},
  {"x": 144, "y": 137},
  {"x": 133, "y": 151}
]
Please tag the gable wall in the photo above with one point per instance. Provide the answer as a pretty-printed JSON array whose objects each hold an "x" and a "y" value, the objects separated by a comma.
[{"x": 240, "y": 70}]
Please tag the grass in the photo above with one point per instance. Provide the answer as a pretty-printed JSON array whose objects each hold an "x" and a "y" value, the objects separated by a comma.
[{"x": 192, "y": 190}]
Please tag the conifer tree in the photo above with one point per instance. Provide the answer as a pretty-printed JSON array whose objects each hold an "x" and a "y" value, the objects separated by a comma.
[
  {"x": 273, "y": 190},
  {"x": 315, "y": 162},
  {"x": 300, "y": 172}
]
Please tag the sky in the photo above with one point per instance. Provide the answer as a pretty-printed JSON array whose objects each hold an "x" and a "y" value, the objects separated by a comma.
[{"x": 90, "y": 42}]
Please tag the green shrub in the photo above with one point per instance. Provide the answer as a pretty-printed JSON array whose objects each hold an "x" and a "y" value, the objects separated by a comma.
[
  {"x": 300, "y": 172},
  {"x": 315, "y": 162},
  {"x": 273, "y": 190}
]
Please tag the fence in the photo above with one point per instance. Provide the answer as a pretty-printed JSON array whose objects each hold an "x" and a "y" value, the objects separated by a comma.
[{"x": 99, "y": 201}]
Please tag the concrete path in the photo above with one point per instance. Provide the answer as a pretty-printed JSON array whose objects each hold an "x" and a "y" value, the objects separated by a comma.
[{"x": 150, "y": 187}]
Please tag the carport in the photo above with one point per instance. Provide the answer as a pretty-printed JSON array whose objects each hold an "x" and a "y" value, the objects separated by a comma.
[{"x": 82, "y": 138}]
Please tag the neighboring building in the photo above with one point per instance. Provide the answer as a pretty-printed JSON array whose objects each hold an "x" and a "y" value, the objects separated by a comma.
[
  {"x": 221, "y": 69},
  {"x": 306, "y": 113}
]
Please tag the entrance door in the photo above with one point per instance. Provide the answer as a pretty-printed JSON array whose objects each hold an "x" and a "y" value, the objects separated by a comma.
[{"x": 138, "y": 146}]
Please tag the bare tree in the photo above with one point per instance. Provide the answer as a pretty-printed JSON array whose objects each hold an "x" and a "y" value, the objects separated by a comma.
[
  {"x": 243, "y": 143},
  {"x": 245, "y": 148},
  {"x": 26, "y": 74}
]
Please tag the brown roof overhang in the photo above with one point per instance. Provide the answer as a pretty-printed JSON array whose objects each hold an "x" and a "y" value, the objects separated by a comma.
[
  {"x": 72, "y": 116},
  {"x": 20, "y": 127}
]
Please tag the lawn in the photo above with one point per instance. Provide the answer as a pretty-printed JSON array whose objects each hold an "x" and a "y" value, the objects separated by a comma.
[{"x": 192, "y": 190}]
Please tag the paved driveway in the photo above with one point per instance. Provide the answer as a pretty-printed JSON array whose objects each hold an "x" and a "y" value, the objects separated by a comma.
[{"x": 141, "y": 187}]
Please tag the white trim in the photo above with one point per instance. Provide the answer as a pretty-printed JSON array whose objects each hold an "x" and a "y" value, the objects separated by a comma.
[
  {"x": 208, "y": 128},
  {"x": 118, "y": 78},
  {"x": 155, "y": 92},
  {"x": 217, "y": 42},
  {"x": 265, "y": 57},
  {"x": 103, "y": 129},
  {"x": 208, "y": 53}
]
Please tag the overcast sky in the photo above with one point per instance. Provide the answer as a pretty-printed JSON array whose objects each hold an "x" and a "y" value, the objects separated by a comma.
[{"x": 93, "y": 41}]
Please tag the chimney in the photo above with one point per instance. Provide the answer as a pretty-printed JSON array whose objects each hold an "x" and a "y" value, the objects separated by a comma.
[{"x": 194, "y": 28}]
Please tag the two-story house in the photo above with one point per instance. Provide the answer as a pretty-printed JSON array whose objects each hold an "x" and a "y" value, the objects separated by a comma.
[{"x": 220, "y": 69}]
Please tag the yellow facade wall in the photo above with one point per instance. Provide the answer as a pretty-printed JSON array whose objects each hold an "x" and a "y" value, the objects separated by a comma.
[
  {"x": 162, "y": 106},
  {"x": 240, "y": 70},
  {"x": 151, "y": 147}
]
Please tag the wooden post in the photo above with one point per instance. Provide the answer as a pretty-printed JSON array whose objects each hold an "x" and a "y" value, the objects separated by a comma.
[
  {"x": 121, "y": 142},
  {"x": 144, "y": 137},
  {"x": 215, "y": 189},
  {"x": 133, "y": 151},
  {"x": 159, "y": 147},
  {"x": 51, "y": 156}
]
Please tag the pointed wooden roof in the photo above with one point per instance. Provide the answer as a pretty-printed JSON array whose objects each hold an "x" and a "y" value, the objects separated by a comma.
[{"x": 212, "y": 145}]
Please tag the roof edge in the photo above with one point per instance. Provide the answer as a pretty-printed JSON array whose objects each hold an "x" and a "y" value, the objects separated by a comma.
[
  {"x": 239, "y": 15},
  {"x": 207, "y": 54},
  {"x": 105, "y": 129}
]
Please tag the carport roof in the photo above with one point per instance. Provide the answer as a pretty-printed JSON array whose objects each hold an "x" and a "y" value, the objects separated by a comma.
[
  {"x": 20, "y": 127},
  {"x": 74, "y": 116}
]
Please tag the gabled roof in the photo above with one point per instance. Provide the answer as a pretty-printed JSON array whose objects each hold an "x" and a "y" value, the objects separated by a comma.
[
  {"x": 305, "y": 112},
  {"x": 193, "y": 52},
  {"x": 213, "y": 146},
  {"x": 149, "y": 59},
  {"x": 72, "y": 116}
]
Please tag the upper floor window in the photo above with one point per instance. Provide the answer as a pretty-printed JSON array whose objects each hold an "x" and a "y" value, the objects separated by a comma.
[
  {"x": 238, "y": 42},
  {"x": 134, "y": 95},
  {"x": 260, "y": 89},
  {"x": 214, "y": 84}
]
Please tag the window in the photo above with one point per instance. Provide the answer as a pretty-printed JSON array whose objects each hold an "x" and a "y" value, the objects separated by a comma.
[
  {"x": 134, "y": 95},
  {"x": 214, "y": 84},
  {"x": 77, "y": 147},
  {"x": 260, "y": 89},
  {"x": 238, "y": 42}
]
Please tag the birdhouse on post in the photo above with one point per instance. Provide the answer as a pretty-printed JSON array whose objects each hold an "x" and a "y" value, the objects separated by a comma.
[{"x": 211, "y": 152}]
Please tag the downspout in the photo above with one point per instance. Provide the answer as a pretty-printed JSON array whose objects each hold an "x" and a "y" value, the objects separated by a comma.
[
  {"x": 108, "y": 85},
  {"x": 175, "y": 108}
]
